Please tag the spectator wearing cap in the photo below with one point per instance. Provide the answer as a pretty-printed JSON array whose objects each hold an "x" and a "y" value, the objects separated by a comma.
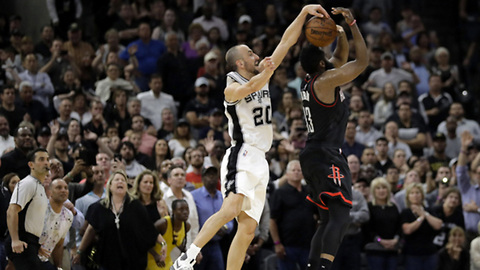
[
  {"x": 76, "y": 48},
  {"x": 176, "y": 71},
  {"x": 113, "y": 79},
  {"x": 438, "y": 158},
  {"x": 15, "y": 23},
  {"x": 16, "y": 160},
  {"x": 43, "y": 137},
  {"x": 197, "y": 110},
  {"x": 215, "y": 128},
  {"x": 182, "y": 138},
  {"x": 58, "y": 147},
  {"x": 155, "y": 101},
  {"x": 46, "y": 38},
  {"x": 14, "y": 114},
  {"x": 6, "y": 140},
  {"x": 468, "y": 181},
  {"x": 208, "y": 21},
  {"x": 463, "y": 124},
  {"x": 435, "y": 102},
  {"x": 147, "y": 52},
  {"x": 215, "y": 75},
  {"x": 35, "y": 109},
  {"x": 387, "y": 73},
  {"x": 245, "y": 25},
  {"x": 63, "y": 13},
  {"x": 42, "y": 85},
  {"x": 208, "y": 200}
]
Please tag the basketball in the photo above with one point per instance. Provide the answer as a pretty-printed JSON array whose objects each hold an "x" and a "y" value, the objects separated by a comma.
[{"x": 321, "y": 31}]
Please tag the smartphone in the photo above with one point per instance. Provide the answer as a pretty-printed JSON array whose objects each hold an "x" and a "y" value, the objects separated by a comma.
[
  {"x": 117, "y": 157},
  {"x": 87, "y": 157}
]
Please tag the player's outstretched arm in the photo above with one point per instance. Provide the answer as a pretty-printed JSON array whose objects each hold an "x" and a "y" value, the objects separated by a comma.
[
  {"x": 236, "y": 91},
  {"x": 352, "y": 69},
  {"x": 340, "y": 55},
  {"x": 293, "y": 31}
]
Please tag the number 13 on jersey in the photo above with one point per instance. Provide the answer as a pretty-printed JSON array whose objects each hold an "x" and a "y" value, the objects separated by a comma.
[{"x": 308, "y": 119}]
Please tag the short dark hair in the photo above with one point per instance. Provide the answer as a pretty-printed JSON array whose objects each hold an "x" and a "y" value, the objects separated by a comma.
[
  {"x": 31, "y": 156},
  {"x": 310, "y": 57},
  {"x": 7, "y": 86},
  {"x": 127, "y": 144},
  {"x": 381, "y": 139},
  {"x": 156, "y": 76},
  {"x": 393, "y": 167},
  {"x": 176, "y": 202}
]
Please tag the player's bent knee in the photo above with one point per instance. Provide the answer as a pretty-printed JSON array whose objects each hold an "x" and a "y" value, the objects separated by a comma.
[{"x": 232, "y": 205}]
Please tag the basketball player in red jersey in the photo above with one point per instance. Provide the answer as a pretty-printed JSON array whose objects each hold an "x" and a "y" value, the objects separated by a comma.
[{"x": 324, "y": 166}]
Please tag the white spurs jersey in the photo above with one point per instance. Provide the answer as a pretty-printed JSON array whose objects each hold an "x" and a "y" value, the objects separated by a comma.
[{"x": 250, "y": 119}]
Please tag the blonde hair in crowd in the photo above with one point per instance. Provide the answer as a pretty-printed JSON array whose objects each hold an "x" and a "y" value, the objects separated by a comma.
[
  {"x": 380, "y": 182},
  {"x": 108, "y": 194},
  {"x": 410, "y": 188}
]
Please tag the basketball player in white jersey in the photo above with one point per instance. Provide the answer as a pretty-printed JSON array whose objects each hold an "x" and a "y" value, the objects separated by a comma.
[{"x": 244, "y": 171}]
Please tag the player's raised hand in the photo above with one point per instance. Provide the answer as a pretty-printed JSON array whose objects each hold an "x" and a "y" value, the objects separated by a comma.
[
  {"x": 347, "y": 14},
  {"x": 316, "y": 10},
  {"x": 268, "y": 64}
]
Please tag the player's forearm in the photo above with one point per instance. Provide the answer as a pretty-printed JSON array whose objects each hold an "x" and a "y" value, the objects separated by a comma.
[
  {"x": 258, "y": 81},
  {"x": 360, "y": 46},
  {"x": 340, "y": 55}
]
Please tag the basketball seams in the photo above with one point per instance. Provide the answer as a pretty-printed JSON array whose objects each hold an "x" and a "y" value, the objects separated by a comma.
[{"x": 320, "y": 32}]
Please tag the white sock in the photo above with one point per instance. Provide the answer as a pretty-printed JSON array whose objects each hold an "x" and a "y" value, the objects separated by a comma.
[{"x": 192, "y": 252}]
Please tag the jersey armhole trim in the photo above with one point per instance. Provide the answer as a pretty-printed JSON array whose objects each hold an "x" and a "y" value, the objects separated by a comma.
[
  {"x": 312, "y": 91},
  {"x": 232, "y": 103}
]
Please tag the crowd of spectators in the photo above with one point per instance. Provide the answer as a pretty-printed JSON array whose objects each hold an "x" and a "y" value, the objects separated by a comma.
[{"x": 138, "y": 86}]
